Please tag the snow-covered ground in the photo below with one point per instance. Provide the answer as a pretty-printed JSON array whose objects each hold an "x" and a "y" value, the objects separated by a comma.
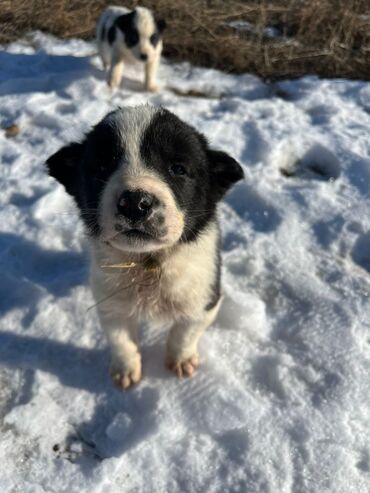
[{"x": 281, "y": 401}]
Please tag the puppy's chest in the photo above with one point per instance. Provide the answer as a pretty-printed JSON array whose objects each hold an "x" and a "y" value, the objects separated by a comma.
[{"x": 150, "y": 292}]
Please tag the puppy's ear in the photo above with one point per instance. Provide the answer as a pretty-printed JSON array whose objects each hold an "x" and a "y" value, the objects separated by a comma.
[
  {"x": 161, "y": 25},
  {"x": 64, "y": 164},
  {"x": 124, "y": 21},
  {"x": 225, "y": 171}
]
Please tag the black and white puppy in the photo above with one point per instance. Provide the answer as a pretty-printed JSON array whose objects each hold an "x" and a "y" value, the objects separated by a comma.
[
  {"x": 147, "y": 185},
  {"x": 127, "y": 36}
]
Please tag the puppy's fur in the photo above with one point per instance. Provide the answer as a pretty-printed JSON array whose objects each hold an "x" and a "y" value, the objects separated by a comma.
[
  {"x": 147, "y": 185},
  {"x": 127, "y": 36}
]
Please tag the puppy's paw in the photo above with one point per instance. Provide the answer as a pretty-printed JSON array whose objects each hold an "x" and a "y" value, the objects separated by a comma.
[
  {"x": 183, "y": 367},
  {"x": 151, "y": 88},
  {"x": 113, "y": 83},
  {"x": 126, "y": 373}
]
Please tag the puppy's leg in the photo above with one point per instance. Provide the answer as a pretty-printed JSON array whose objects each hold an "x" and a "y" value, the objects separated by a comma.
[
  {"x": 104, "y": 53},
  {"x": 151, "y": 69},
  {"x": 105, "y": 57},
  {"x": 182, "y": 345},
  {"x": 122, "y": 337},
  {"x": 116, "y": 70}
]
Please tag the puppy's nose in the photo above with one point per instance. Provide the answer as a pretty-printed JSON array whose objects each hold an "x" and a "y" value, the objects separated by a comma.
[
  {"x": 135, "y": 205},
  {"x": 143, "y": 57}
]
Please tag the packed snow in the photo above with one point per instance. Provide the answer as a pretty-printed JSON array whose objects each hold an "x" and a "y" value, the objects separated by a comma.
[
  {"x": 247, "y": 27},
  {"x": 281, "y": 400}
]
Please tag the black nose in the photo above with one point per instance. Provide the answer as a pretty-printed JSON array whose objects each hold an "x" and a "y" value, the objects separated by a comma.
[
  {"x": 143, "y": 57},
  {"x": 135, "y": 205}
]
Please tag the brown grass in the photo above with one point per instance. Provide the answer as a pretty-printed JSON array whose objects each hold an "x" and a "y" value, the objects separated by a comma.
[{"x": 330, "y": 38}]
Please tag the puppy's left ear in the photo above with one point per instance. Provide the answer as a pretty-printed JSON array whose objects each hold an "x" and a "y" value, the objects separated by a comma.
[
  {"x": 161, "y": 25},
  {"x": 225, "y": 171}
]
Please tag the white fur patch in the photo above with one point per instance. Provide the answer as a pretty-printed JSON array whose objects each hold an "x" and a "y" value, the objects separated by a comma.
[
  {"x": 182, "y": 290},
  {"x": 130, "y": 124}
]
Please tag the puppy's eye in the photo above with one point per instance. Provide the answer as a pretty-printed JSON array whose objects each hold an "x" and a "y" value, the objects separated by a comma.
[
  {"x": 177, "y": 170},
  {"x": 154, "y": 38}
]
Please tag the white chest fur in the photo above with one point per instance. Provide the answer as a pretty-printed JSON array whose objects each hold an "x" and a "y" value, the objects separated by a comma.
[{"x": 177, "y": 283}]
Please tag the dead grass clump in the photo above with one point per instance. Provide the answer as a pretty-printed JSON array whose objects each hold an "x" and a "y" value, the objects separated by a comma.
[{"x": 330, "y": 38}]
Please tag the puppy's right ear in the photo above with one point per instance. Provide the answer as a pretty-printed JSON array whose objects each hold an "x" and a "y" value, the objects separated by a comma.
[
  {"x": 161, "y": 25},
  {"x": 64, "y": 166}
]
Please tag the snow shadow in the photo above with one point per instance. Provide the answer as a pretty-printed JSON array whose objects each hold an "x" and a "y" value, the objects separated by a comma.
[
  {"x": 327, "y": 232},
  {"x": 42, "y": 72},
  {"x": 256, "y": 147},
  {"x": 361, "y": 252},
  {"x": 75, "y": 367},
  {"x": 252, "y": 207},
  {"x": 21, "y": 200},
  {"x": 120, "y": 419},
  {"x": 28, "y": 269},
  {"x": 358, "y": 173}
]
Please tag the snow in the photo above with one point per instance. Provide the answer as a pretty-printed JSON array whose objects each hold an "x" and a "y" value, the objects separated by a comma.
[
  {"x": 281, "y": 401},
  {"x": 247, "y": 27}
]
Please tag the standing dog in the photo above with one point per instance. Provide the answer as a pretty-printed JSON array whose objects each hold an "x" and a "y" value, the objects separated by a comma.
[
  {"x": 147, "y": 185},
  {"x": 125, "y": 36}
]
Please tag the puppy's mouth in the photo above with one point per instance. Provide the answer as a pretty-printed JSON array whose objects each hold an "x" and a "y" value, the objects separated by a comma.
[
  {"x": 137, "y": 234},
  {"x": 135, "y": 239}
]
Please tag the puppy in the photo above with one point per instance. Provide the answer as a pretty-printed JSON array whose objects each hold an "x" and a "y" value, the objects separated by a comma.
[
  {"x": 147, "y": 185},
  {"x": 125, "y": 36}
]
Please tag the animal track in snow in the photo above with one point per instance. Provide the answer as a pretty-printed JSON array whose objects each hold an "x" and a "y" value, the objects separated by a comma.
[
  {"x": 251, "y": 206},
  {"x": 267, "y": 375},
  {"x": 255, "y": 146},
  {"x": 321, "y": 114},
  {"x": 66, "y": 108},
  {"x": 363, "y": 464},
  {"x": 318, "y": 163},
  {"x": 361, "y": 251}
]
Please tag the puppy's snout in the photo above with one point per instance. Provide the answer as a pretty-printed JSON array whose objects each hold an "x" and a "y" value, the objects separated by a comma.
[
  {"x": 143, "y": 57},
  {"x": 135, "y": 205}
]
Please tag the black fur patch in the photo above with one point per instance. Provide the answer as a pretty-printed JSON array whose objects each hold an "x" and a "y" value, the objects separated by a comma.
[
  {"x": 208, "y": 174},
  {"x": 154, "y": 39},
  {"x": 112, "y": 34},
  {"x": 225, "y": 171},
  {"x": 85, "y": 168},
  {"x": 156, "y": 36},
  {"x": 161, "y": 25},
  {"x": 126, "y": 23}
]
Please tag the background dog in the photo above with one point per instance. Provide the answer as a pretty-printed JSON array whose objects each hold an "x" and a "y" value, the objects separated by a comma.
[
  {"x": 147, "y": 185},
  {"x": 125, "y": 36}
]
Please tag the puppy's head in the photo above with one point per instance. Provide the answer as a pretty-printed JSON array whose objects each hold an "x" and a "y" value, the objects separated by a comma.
[
  {"x": 142, "y": 32},
  {"x": 144, "y": 180}
]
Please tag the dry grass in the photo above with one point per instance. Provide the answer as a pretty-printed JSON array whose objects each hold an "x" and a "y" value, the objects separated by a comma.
[{"x": 330, "y": 38}]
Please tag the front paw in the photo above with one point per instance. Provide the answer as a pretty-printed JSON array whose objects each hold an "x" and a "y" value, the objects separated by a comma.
[
  {"x": 151, "y": 88},
  {"x": 113, "y": 83},
  {"x": 126, "y": 373},
  {"x": 183, "y": 367}
]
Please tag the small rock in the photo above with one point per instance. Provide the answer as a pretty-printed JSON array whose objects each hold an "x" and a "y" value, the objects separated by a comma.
[{"x": 12, "y": 131}]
